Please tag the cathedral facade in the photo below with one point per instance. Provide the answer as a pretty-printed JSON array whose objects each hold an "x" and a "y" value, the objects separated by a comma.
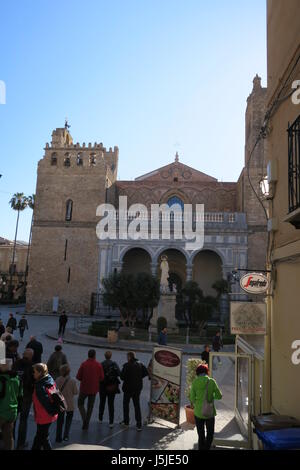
[{"x": 68, "y": 261}]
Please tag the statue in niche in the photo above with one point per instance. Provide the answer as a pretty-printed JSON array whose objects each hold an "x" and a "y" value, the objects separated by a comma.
[{"x": 164, "y": 266}]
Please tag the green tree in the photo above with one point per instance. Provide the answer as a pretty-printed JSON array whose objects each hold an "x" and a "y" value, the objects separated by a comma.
[
  {"x": 222, "y": 287},
  {"x": 190, "y": 295},
  {"x": 129, "y": 293},
  {"x": 18, "y": 203},
  {"x": 148, "y": 289},
  {"x": 203, "y": 309}
]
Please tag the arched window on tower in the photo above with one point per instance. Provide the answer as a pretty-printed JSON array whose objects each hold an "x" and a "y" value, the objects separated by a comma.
[
  {"x": 67, "y": 161},
  {"x": 92, "y": 159},
  {"x": 79, "y": 160},
  {"x": 53, "y": 159},
  {"x": 69, "y": 209}
]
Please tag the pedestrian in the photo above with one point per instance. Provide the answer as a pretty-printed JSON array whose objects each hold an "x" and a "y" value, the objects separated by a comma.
[
  {"x": 22, "y": 326},
  {"x": 109, "y": 387},
  {"x": 12, "y": 322},
  {"x": 217, "y": 344},
  {"x": 44, "y": 410},
  {"x": 10, "y": 396},
  {"x": 2, "y": 328},
  {"x": 7, "y": 335},
  {"x": 90, "y": 374},
  {"x": 68, "y": 388},
  {"x": 23, "y": 367},
  {"x": 132, "y": 375},
  {"x": 12, "y": 350},
  {"x": 63, "y": 320},
  {"x": 37, "y": 350},
  {"x": 162, "y": 338},
  {"x": 57, "y": 359},
  {"x": 204, "y": 389},
  {"x": 205, "y": 354}
]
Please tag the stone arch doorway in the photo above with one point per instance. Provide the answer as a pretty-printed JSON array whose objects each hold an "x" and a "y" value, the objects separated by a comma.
[
  {"x": 136, "y": 260},
  {"x": 207, "y": 269},
  {"x": 177, "y": 265}
]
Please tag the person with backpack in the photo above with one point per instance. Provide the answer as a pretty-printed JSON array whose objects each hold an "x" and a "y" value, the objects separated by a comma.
[
  {"x": 57, "y": 359},
  {"x": 204, "y": 391},
  {"x": 132, "y": 375},
  {"x": 90, "y": 374},
  {"x": 23, "y": 325},
  {"x": 109, "y": 387},
  {"x": 12, "y": 322},
  {"x": 45, "y": 411},
  {"x": 68, "y": 388},
  {"x": 10, "y": 396}
]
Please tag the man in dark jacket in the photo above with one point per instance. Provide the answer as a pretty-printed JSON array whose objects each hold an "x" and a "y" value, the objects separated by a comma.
[
  {"x": 63, "y": 320},
  {"x": 132, "y": 375},
  {"x": 37, "y": 349},
  {"x": 162, "y": 337},
  {"x": 2, "y": 328},
  {"x": 205, "y": 354},
  {"x": 109, "y": 387},
  {"x": 12, "y": 322},
  {"x": 23, "y": 367},
  {"x": 57, "y": 359},
  {"x": 12, "y": 350},
  {"x": 23, "y": 325},
  {"x": 217, "y": 344}
]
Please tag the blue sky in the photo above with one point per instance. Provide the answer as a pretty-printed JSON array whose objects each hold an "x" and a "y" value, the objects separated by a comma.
[{"x": 152, "y": 77}]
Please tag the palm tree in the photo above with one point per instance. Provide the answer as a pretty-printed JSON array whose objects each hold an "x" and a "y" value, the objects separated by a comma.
[
  {"x": 30, "y": 203},
  {"x": 18, "y": 203}
]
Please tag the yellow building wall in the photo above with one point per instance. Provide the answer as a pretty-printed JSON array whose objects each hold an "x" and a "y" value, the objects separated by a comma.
[{"x": 285, "y": 318}]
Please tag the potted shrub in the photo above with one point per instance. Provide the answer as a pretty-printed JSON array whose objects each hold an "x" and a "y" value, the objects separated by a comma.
[{"x": 191, "y": 367}]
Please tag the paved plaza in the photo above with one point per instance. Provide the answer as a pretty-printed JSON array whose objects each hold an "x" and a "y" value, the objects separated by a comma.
[{"x": 155, "y": 436}]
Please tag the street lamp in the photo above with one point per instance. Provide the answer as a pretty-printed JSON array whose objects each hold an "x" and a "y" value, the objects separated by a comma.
[{"x": 264, "y": 186}]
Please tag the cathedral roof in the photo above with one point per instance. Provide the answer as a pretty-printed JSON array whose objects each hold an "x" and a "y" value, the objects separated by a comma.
[{"x": 178, "y": 171}]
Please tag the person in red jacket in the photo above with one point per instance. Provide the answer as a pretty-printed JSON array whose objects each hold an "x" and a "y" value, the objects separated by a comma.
[
  {"x": 44, "y": 411},
  {"x": 90, "y": 374}
]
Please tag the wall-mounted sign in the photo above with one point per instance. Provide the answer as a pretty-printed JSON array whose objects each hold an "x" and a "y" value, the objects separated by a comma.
[
  {"x": 254, "y": 283},
  {"x": 166, "y": 383},
  {"x": 248, "y": 318}
]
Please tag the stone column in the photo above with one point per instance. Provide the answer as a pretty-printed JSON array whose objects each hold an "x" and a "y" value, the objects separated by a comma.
[
  {"x": 189, "y": 273},
  {"x": 153, "y": 267}
]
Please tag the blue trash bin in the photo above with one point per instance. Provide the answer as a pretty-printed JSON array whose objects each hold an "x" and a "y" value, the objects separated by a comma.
[{"x": 280, "y": 439}]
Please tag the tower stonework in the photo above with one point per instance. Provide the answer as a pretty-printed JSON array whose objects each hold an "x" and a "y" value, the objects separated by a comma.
[
  {"x": 247, "y": 201},
  {"x": 72, "y": 180}
]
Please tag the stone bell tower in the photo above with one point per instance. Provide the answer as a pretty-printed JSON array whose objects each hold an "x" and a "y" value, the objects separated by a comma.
[{"x": 72, "y": 180}]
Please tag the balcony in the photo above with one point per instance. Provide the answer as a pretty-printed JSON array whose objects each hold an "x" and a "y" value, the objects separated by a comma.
[{"x": 294, "y": 173}]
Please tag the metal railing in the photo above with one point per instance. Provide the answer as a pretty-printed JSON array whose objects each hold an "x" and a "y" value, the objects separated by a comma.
[{"x": 294, "y": 164}]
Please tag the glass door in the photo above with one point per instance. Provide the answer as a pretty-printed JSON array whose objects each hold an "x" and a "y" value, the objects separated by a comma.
[{"x": 233, "y": 374}]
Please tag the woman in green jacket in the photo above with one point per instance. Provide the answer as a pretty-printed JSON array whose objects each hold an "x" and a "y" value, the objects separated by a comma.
[
  {"x": 204, "y": 389},
  {"x": 10, "y": 395}
]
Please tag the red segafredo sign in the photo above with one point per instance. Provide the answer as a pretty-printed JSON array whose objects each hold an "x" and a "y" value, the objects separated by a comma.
[{"x": 254, "y": 283}]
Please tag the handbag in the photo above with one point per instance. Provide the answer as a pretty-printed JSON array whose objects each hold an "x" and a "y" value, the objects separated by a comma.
[{"x": 207, "y": 407}]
